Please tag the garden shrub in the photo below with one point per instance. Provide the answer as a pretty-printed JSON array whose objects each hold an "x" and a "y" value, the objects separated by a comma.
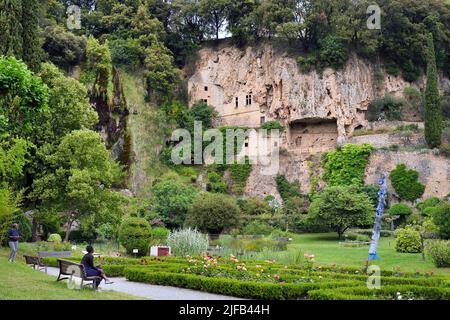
[
  {"x": 213, "y": 212},
  {"x": 257, "y": 228},
  {"x": 438, "y": 251},
  {"x": 400, "y": 209},
  {"x": 135, "y": 233},
  {"x": 407, "y": 240},
  {"x": 346, "y": 165},
  {"x": 406, "y": 184},
  {"x": 386, "y": 108},
  {"x": 187, "y": 241},
  {"x": 54, "y": 237},
  {"x": 428, "y": 203},
  {"x": 441, "y": 218}
]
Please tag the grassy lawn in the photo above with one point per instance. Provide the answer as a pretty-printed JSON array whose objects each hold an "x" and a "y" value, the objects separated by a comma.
[
  {"x": 328, "y": 251},
  {"x": 18, "y": 281},
  {"x": 326, "y": 248}
]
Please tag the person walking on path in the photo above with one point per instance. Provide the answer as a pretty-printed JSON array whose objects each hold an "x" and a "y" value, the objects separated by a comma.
[{"x": 13, "y": 241}]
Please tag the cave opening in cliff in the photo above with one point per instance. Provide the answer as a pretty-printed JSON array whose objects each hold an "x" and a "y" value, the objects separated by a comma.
[{"x": 313, "y": 135}]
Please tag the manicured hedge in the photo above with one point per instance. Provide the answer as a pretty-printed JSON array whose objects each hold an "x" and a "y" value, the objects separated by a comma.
[
  {"x": 385, "y": 292},
  {"x": 230, "y": 287}
]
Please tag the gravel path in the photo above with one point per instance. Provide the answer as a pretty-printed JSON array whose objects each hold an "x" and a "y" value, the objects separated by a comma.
[{"x": 154, "y": 292}]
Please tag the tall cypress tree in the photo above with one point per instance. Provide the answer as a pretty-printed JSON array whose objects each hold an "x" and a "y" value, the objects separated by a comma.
[
  {"x": 11, "y": 28},
  {"x": 433, "y": 113},
  {"x": 30, "y": 34}
]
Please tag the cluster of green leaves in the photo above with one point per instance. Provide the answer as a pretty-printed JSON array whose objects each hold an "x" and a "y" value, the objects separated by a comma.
[
  {"x": 23, "y": 99},
  {"x": 213, "y": 212},
  {"x": 386, "y": 108},
  {"x": 346, "y": 165},
  {"x": 19, "y": 27},
  {"x": 433, "y": 112},
  {"x": 405, "y": 183},
  {"x": 135, "y": 233},
  {"x": 407, "y": 240},
  {"x": 286, "y": 189},
  {"x": 171, "y": 201},
  {"x": 341, "y": 207},
  {"x": 400, "y": 209}
]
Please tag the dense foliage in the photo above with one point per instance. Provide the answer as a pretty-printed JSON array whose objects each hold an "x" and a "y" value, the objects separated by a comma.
[
  {"x": 433, "y": 112},
  {"x": 346, "y": 165},
  {"x": 439, "y": 252},
  {"x": 441, "y": 218},
  {"x": 400, "y": 209},
  {"x": 135, "y": 233},
  {"x": 213, "y": 212},
  {"x": 341, "y": 207},
  {"x": 171, "y": 201},
  {"x": 406, "y": 184},
  {"x": 407, "y": 240}
]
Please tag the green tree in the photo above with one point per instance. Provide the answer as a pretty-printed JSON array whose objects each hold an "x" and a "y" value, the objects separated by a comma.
[
  {"x": 69, "y": 107},
  {"x": 11, "y": 28},
  {"x": 171, "y": 200},
  {"x": 98, "y": 64},
  {"x": 31, "y": 51},
  {"x": 24, "y": 98},
  {"x": 433, "y": 113},
  {"x": 160, "y": 73},
  {"x": 441, "y": 218},
  {"x": 213, "y": 213},
  {"x": 341, "y": 207},
  {"x": 214, "y": 13},
  {"x": 79, "y": 179}
]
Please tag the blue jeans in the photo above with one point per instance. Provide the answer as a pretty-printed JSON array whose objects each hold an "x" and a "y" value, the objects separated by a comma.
[{"x": 13, "y": 245}]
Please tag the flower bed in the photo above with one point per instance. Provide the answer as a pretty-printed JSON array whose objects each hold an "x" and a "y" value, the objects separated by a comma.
[{"x": 271, "y": 280}]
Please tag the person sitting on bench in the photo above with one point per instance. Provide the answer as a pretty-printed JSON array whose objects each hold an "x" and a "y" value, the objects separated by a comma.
[{"x": 91, "y": 270}]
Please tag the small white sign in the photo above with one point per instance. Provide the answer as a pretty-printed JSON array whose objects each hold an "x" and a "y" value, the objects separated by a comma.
[{"x": 135, "y": 250}]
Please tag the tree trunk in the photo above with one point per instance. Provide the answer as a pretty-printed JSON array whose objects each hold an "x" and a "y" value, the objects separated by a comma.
[
  {"x": 69, "y": 226},
  {"x": 34, "y": 231}
]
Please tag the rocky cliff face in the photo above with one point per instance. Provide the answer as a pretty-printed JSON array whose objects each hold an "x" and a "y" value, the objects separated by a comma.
[
  {"x": 224, "y": 76},
  {"x": 319, "y": 110}
]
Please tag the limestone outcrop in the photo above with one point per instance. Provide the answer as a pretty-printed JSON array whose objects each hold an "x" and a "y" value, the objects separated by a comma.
[{"x": 227, "y": 77}]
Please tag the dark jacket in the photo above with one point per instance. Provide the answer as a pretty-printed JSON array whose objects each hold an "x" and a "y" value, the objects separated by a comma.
[
  {"x": 88, "y": 261},
  {"x": 13, "y": 235}
]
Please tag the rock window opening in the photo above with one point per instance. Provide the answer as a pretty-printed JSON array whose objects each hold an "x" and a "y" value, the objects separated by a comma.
[
  {"x": 262, "y": 120},
  {"x": 236, "y": 102},
  {"x": 248, "y": 99},
  {"x": 206, "y": 88}
]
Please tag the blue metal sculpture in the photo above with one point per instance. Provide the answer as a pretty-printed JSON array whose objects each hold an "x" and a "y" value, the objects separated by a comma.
[{"x": 382, "y": 194}]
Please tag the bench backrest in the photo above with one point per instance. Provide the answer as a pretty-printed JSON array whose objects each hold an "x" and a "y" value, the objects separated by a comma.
[
  {"x": 32, "y": 260},
  {"x": 71, "y": 268},
  {"x": 43, "y": 254}
]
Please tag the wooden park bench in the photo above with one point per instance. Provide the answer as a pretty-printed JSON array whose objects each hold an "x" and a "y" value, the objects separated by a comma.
[
  {"x": 72, "y": 269},
  {"x": 35, "y": 263}
]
